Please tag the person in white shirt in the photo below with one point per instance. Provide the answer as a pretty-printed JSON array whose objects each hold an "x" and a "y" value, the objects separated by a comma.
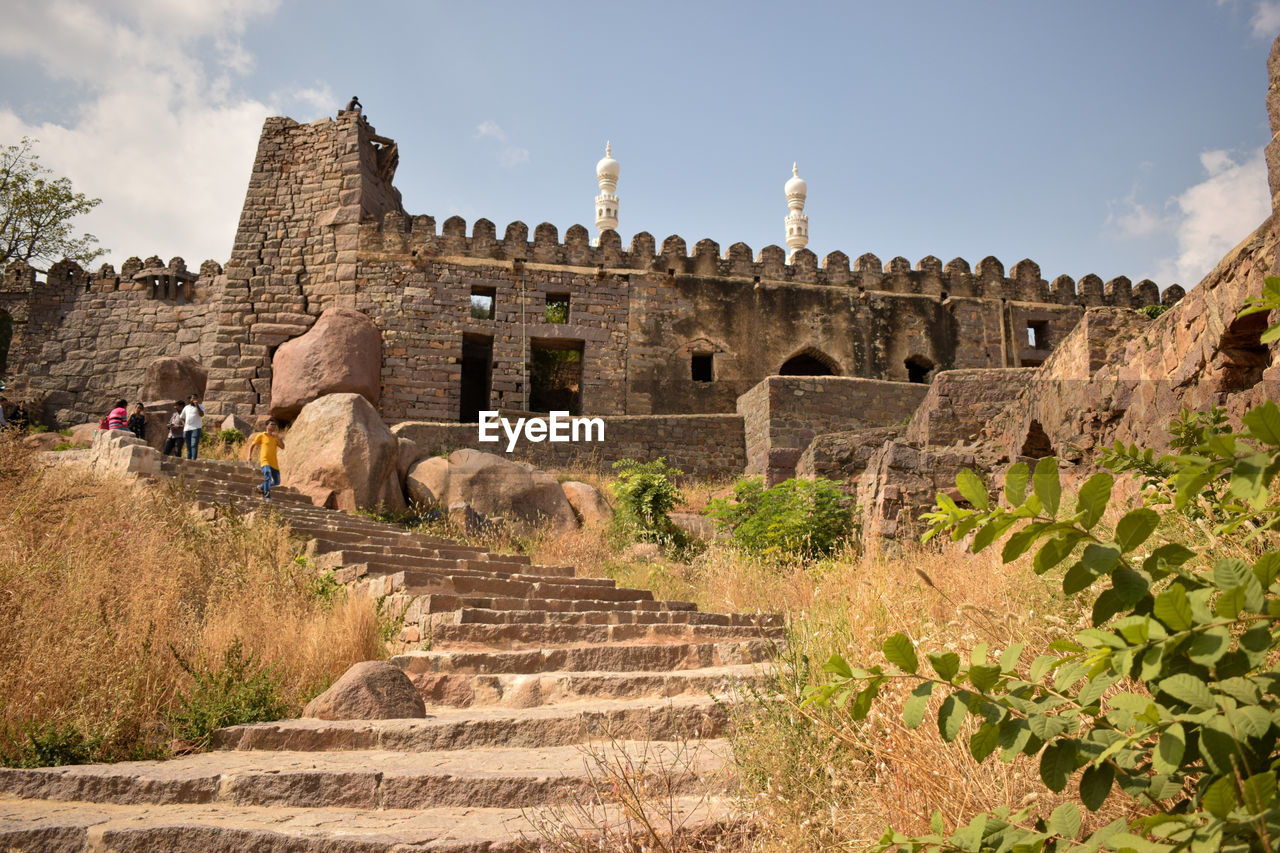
[{"x": 192, "y": 425}]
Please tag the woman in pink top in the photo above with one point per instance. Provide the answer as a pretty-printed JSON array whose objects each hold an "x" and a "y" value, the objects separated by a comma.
[{"x": 119, "y": 417}]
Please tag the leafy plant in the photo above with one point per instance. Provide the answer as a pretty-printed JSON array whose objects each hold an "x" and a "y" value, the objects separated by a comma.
[
  {"x": 1172, "y": 696},
  {"x": 63, "y": 445},
  {"x": 1153, "y": 311},
  {"x": 230, "y": 436},
  {"x": 54, "y": 745},
  {"x": 796, "y": 518},
  {"x": 241, "y": 690},
  {"x": 645, "y": 493}
]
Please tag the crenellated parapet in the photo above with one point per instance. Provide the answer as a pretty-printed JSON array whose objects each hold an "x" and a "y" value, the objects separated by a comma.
[
  {"x": 153, "y": 278},
  {"x": 417, "y": 237}
]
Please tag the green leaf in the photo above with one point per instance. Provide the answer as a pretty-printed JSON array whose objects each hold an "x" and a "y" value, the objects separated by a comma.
[
  {"x": 984, "y": 676},
  {"x": 1230, "y": 603},
  {"x": 1100, "y": 559},
  {"x": 1065, "y": 820},
  {"x": 984, "y": 742},
  {"x": 1263, "y": 423},
  {"x": 1046, "y": 726},
  {"x": 1259, "y": 791},
  {"x": 1057, "y": 763},
  {"x": 1167, "y": 757},
  {"x": 901, "y": 652},
  {"x": 1107, "y": 604},
  {"x": 1015, "y": 483},
  {"x": 1010, "y": 656},
  {"x": 1092, "y": 692},
  {"x": 1130, "y": 584},
  {"x": 946, "y": 664},
  {"x": 1173, "y": 609},
  {"x": 1165, "y": 558},
  {"x": 1134, "y": 528},
  {"x": 1054, "y": 551},
  {"x": 913, "y": 709},
  {"x": 990, "y": 532},
  {"x": 1187, "y": 688},
  {"x": 1041, "y": 666},
  {"x": 1206, "y": 648},
  {"x": 1092, "y": 501},
  {"x": 1267, "y": 569},
  {"x": 1077, "y": 578},
  {"x": 1220, "y": 798},
  {"x": 837, "y": 665},
  {"x": 1018, "y": 544},
  {"x": 1047, "y": 486},
  {"x": 1248, "y": 479},
  {"x": 936, "y": 825},
  {"x": 1095, "y": 785},
  {"x": 951, "y": 718},
  {"x": 973, "y": 489}
]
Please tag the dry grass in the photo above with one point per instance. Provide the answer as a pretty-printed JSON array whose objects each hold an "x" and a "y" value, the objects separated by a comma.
[{"x": 104, "y": 583}]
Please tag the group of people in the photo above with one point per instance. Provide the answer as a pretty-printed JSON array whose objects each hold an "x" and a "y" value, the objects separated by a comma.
[
  {"x": 17, "y": 419},
  {"x": 186, "y": 427}
]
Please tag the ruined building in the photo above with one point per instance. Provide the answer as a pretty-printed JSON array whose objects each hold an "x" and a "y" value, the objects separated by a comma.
[{"x": 674, "y": 347}]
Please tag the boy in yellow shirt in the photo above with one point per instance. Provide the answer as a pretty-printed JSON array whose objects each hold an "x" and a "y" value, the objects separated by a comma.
[{"x": 267, "y": 443}]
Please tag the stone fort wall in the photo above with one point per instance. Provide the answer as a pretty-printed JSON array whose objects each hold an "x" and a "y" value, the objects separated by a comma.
[{"x": 323, "y": 226}]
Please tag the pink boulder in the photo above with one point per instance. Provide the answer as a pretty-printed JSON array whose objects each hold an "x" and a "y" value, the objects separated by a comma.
[
  {"x": 340, "y": 354},
  {"x": 171, "y": 378}
]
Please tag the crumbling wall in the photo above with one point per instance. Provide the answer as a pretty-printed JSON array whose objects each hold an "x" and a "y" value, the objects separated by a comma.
[{"x": 783, "y": 414}]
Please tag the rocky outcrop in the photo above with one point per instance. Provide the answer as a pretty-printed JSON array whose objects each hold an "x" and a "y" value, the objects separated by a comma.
[
  {"x": 167, "y": 379},
  {"x": 340, "y": 354},
  {"x": 494, "y": 487},
  {"x": 341, "y": 455},
  {"x": 372, "y": 690}
]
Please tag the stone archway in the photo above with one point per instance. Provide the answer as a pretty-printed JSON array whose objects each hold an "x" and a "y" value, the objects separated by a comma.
[{"x": 809, "y": 362}]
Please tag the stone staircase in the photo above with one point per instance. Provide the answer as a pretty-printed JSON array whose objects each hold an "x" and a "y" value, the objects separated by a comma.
[{"x": 546, "y": 694}]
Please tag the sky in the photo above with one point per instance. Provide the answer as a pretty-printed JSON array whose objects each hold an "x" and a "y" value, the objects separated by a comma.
[{"x": 1090, "y": 136}]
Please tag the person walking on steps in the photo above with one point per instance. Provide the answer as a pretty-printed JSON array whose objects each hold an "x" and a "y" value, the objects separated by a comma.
[
  {"x": 192, "y": 425},
  {"x": 173, "y": 442},
  {"x": 267, "y": 443}
]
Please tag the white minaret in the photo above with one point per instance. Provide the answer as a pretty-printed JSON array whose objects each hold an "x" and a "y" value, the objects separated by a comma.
[
  {"x": 607, "y": 201},
  {"x": 797, "y": 223}
]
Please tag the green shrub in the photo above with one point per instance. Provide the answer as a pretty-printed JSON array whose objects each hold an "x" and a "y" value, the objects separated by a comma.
[
  {"x": 1153, "y": 311},
  {"x": 645, "y": 493},
  {"x": 795, "y": 519},
  {"x": 63, "y": 445},
  {"x": 1172, "y": 697},
  {"x": 241, "y": 690},
  {"x": 53, "y": 745},
  {"x": 36, "y": 429}
]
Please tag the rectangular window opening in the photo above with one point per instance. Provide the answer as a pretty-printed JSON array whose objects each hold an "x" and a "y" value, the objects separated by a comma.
[
  {"x": 702, "y": 367},
  {"x": 1038, "y": 334},
  {"x": 477, "y": 376},
  {"x": 557, "y": 308},
  {"x": 482, "y": 299},
  {"x": 555, "y": 376}
]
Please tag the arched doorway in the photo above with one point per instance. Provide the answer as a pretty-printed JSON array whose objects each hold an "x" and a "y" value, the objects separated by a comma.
[
  {"x": 809, "y": 362},
  {"x": 918, "y": 368}
]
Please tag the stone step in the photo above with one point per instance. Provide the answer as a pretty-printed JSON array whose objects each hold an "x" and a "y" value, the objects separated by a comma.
[
  {"x": 678, "y": 718},
  {"x": 467, "y": 584},
  {"x": 383, "y": 563},
  {"x": 558, "y": 688},
  {"x": 64, "y": 827},
  {"x": 480, "y": 615},
  {"x": 440, "y": 603},
  {"x": 365, "y": 779},
  {"x": 603, "y": 657},
  {"x": 523, "y": 636}
]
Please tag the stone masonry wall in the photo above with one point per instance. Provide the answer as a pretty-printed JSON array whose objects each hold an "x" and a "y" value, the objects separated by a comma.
[
  {"x": 783, "y": 414},
  {"x": 961, "y": 402},
  {"x": 699, "y": 445},
  {"x": 83, "y": 340}
]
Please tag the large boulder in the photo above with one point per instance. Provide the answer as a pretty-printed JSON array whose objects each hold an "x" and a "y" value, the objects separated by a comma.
[
  {"x": 494, "y": 487},
  {"x": 588, "y": 504},
  {"x": 373, "y": 690},
  {"x": 170, "y": 378},
  {"x": 409, "y": 453},
  {"x": 340, "y": 454},
  {"x": 340, "y": 354}
]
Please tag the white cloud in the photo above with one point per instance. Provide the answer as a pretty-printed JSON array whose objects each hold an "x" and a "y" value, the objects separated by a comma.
[
  {"x": 508, "y": 155},
  {"x": 1135, "y": 219},
  {"x": 160, "y": 136},
  {"x": 1266, "y": 19},
  {"x": 1219, "y": 212}
]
